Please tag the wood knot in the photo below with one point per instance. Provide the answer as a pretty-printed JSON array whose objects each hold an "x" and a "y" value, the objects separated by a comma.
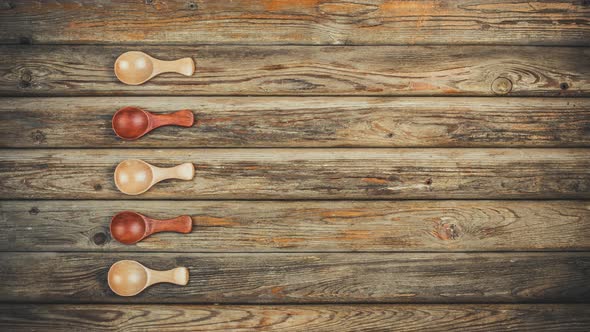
[
  {"x": 149, "y": 2},
  {"x": 564, "y": 86},
  {"x": 485, "y": 26},
  {"x": 25, "y": 79},
  {"x": 501, "y": 86},
  {"x": 389, "y": 135},
  {"x": 99, "y": 238},
  {"x": 38, "y": 137},
  {"x": 34, "y": 211},
  {"x": 97, "y": 187},
  {"x": 25, "y": 41},
  {"x": 7, "y": 5},
  {"x": 445, "y": 231},
  {"x": 24, "y": 85},
  {"x": 428, "y": 182},
  {"x": 26, "y": 75}
]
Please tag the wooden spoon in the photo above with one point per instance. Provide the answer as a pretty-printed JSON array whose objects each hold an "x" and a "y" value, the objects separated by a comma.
[
  {"x": 130, "y": 227},
  {"x": 132, "y": 122},
  {"x": 134, "y": 176},
  {"x": 135, "y": 68},
  {"x": 129, "y": 278}
]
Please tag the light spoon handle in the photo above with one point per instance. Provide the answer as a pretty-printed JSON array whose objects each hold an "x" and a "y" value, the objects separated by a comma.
[
  {"x": 184, "y": 66},
  {"x": 184, "y": 171},
  {"x": 178, "y": 276}
]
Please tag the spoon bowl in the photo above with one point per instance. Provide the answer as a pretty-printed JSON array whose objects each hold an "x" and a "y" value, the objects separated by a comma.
[
  {"x": 133, "y": 122},
  {"x": 129, "y": 278},
  {"x": 130, "y": 122},
  {"x": 135, "y": 67},
  {"x": 130, "y": 227},
  {"x": 134, "y": 176}
]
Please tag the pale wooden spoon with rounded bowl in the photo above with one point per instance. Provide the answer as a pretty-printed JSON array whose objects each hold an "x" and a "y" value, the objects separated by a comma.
[
  {"x": 135, "y": 68},
  {"x": 129, "y": 278},
  {"x": 134, "y": 176}
]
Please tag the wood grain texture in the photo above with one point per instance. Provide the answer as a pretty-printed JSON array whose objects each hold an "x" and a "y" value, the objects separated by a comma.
[
  {"x": 443, "y": 318},
  {"x": 300, "y": 70},
  {"x": 304, "y": 122},
  {"x": 274, "y": 226},
  {"x": 551, "y": 22},
  {"x": 305, "y": 173},
  {"x": 306, "y": 277}
]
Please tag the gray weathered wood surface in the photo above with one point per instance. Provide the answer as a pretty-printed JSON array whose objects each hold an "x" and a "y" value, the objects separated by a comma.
[
  {"x": 306, "y": 277},
  {"x": 304, "y": 122},
  {"x": 436, "y": 318},
  {"x": 242, "y": 226},
  {"x": 548, "y": 22},
  {"x": 300, "y": 70},
  {"x": 305, "y": 173},
  {"x": 349, "y": 156}
]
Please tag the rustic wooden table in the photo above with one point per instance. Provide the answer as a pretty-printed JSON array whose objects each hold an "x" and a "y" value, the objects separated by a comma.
[{"x": 370, "y": 165}]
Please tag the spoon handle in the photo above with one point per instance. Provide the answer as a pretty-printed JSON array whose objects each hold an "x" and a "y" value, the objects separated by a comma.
[
  {"x": 178, "y": 276},
  {"x": 184, "y": 118},
  {"x": 184, "y": 171},
  {"x": 181, "y": 224},
  {"x": 184, "y": 66}
]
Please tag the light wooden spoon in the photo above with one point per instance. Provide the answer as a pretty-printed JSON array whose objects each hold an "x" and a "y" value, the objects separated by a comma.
[
  {"x": 134, "y": 176},
  {"x": 136, "y": 68},
  {"x": 129, "y": 278}
]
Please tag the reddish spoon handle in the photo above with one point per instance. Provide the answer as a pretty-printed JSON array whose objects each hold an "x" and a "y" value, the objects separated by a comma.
[
  {"x": 184, "y": 118},
  {"x": 181, "y": 224}
]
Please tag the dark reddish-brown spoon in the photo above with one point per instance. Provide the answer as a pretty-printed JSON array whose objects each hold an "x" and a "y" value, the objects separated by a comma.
[
  {"x": 130, "y": 227},
  {"x": 132, "y": 122}
]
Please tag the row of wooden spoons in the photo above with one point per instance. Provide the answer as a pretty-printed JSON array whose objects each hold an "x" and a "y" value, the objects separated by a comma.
[
  {"x": 129, "y": 278},
  {"x": 135, "y": 68},
  {"x": 133, "y": 177}
]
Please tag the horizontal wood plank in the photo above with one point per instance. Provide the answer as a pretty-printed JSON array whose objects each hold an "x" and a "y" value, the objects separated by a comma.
[
  {"x": 240, "y": 226},
  {"x": 305, "y": 173},
  {"x": 304, "y": 122},
  {"x": 306, "y": 278},
  {"x": 551, "y": 22},
  {"x": 443, "y": 318},
  {"x": 301, "y": 70}
]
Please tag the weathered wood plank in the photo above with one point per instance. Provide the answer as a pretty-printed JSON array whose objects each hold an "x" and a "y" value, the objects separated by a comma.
[
  {"x": 304, "y": 226},
  {"x": 306, "y": 278},
  {"x": 301, "y": 70},
  {"x": 305, "y": 173},
  {"x": 304, "y": 122},
  {"x": 130, "y": 318},
  {"x": 550, "y": 22}
]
